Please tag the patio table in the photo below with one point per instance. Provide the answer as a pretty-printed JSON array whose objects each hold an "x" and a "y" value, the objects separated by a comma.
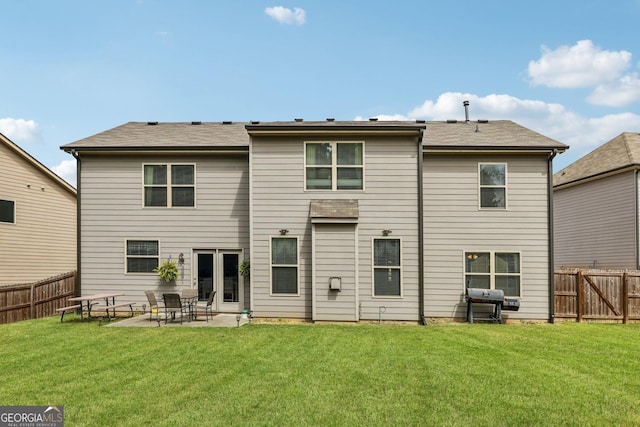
[
  {"x": 191, "y": 302},
  {"x": 91, "y": 300}
]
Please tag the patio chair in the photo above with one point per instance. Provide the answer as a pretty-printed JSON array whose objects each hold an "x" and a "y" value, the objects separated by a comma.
[
  {"x": 153, "y": 305},
  {"x": 173, "y": 305},
  {"x": 191, "y": 305},
  {"x": 208, "y": 309}
]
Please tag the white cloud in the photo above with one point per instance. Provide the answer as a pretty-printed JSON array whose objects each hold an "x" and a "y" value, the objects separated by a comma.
[
  {"x": 66, "y": 170},
  {"x": 552, "y": 120},
  {"x": 284, "y": 15},
  {"x": 623, "y": 91},
  {"x": 586, "y": 65},
  {"x": 581, "y": 65},
  {"x": 449, "y": 106},
  {"x": 20, "y": 129},
  {"x": 385, "y": 117}
]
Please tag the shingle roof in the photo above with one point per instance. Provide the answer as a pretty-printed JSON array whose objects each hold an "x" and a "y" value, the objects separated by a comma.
[
  {"x": 621, "y": 152},
  {"x": 493, "y": 135},
  {"x": 332, "y": 125},
  {"x": 167, "y": 136}
]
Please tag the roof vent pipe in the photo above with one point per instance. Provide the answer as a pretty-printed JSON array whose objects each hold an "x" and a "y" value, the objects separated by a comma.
[{"x": 466, "y": 111}]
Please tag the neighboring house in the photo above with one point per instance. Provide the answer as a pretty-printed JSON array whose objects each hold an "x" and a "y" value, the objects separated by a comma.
[
  {"x": 596, "y": 207},
  {"x": 37, "y": 219},
  {"x": 342, "y": 221}
]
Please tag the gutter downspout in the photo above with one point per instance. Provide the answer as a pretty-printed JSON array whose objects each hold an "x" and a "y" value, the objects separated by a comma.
[
  {"x": 552, "y": 315},
  {"x": 635, "y": 223},
  {"x": 78, "y": 286},
  {"x": 423, "y": 320}
]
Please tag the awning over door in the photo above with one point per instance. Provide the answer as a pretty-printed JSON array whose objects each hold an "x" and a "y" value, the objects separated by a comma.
[{"x": 334, "y": 211}]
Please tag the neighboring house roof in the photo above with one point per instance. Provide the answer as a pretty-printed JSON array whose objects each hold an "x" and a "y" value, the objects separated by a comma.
[
  {"x": 486, "y": 135},
  {"x": 37, "y": 165},
  {"x": 620, "y": 153},
  {"x": 167, "y": 136},
  {"x": 483, "y": 135}
]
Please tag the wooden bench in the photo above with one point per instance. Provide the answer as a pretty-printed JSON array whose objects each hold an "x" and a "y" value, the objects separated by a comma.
[
  {"x": 69, "y": 308},
  {"x": 113, "y": 307}
]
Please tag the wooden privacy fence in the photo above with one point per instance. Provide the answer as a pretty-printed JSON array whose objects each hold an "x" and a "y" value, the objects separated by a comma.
[
  {"x": 608, "y": 295},
  {"x": 35, "y": 300}
]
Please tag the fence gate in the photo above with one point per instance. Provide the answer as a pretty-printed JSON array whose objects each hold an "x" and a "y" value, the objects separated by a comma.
[{"x": 597, "y": 295}]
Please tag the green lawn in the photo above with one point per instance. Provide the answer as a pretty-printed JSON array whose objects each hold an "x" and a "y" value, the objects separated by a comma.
[{"x": 325, "y": 375}]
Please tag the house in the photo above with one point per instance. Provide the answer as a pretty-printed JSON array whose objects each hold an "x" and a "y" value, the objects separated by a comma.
[
  {"x": 342, "y": 221},
  {"x": 596, "y": 207},
  {"x": 37, "y": 219}
]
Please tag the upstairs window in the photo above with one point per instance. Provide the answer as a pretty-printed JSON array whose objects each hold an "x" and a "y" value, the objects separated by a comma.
[
  {"x": 8, "y": 211},
  {"x": 169, "y": 185},
  {"x": 387, "y": 268},
  {"x": 334, "y": 165},
  {"x": 494, "y": 270},
  {"x": 493, "y": 185},
  {"x": 142, "y": 256}
]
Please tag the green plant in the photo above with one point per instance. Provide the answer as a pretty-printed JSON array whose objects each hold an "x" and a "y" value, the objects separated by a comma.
[
  {"x": 245, "y": 268},
  {"x": 167, "y": 271}
]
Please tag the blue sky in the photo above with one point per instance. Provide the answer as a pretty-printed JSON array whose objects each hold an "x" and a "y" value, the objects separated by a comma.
[{"x": 70, "y": 69}]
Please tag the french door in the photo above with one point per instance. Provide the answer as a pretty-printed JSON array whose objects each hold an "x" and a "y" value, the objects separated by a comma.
[{"x": 217, "y": 270}]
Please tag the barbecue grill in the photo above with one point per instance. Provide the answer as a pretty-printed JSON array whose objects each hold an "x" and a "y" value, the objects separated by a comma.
[{"x": 493, "y": 297}]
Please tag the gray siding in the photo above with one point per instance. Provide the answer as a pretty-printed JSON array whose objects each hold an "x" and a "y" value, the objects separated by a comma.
[
  {"x": 389, "y": 201},
  {"x": 594, "y": 223},
  {"x": 453, "y": 224},
  {"x": 335, "y": 255},
  {"x": 113, "y": 212},
  {"x": 42, "y": 242}
]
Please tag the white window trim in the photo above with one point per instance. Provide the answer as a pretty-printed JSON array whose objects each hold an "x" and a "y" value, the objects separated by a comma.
[
  {"x": 271, "y": 265},
  {"x": 492, "y": 265},
  {"x": 334, "y": 165},
  {"x": 373, "y": 269},
  {"x": 126, "y": 256},
  {"x": 170, "y": 186},
  {"x": 15, "y": 218},
  {"x": 505, "y": 186}
]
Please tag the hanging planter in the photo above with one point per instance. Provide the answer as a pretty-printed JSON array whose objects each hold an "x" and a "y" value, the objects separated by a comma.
[{"x": 167, "y": 271}]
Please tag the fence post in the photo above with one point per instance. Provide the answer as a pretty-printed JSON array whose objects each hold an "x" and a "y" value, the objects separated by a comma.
[
  {"x": 625, "y": 297},
  {"x": 33, "y": 301},
  {"x": 579, "y": 296}
]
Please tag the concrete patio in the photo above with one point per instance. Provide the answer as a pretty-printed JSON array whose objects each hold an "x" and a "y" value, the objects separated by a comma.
[{"x": 220, "y": 320}]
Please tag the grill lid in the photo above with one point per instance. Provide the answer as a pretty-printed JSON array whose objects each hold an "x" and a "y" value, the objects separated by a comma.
[{"x": 485, "y": 295}]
